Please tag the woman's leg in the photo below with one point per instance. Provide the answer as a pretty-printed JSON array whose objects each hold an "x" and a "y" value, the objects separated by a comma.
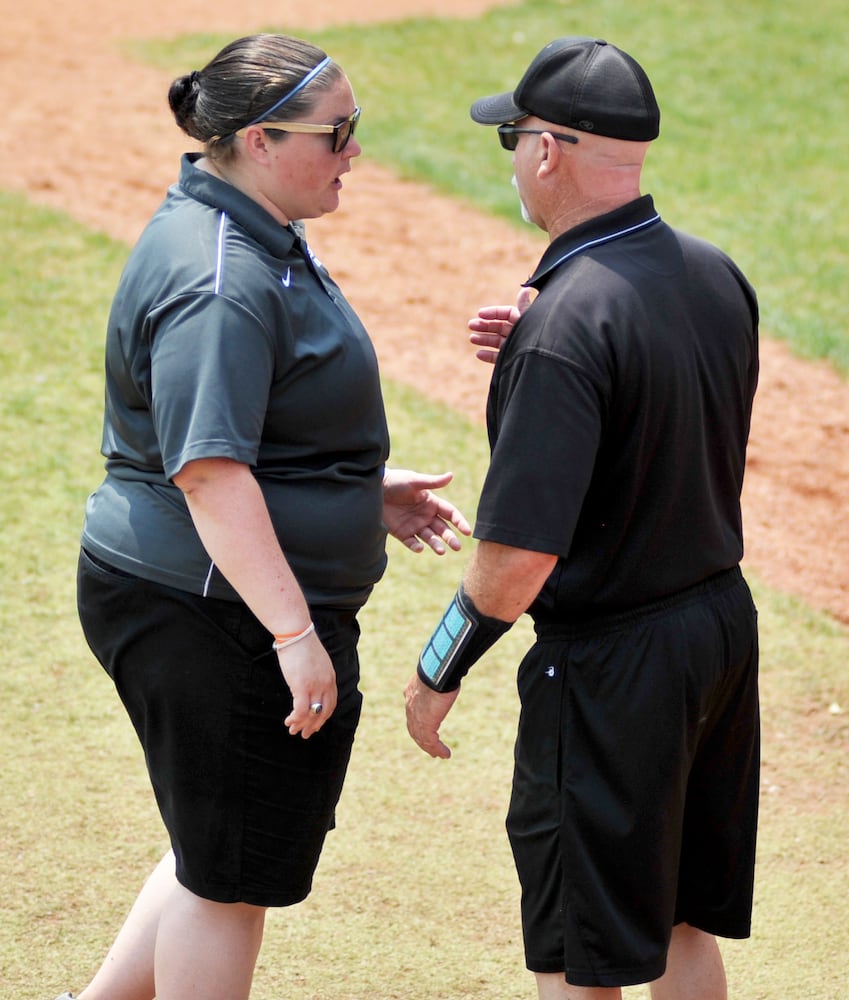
[
  {"x": 127, "y": 971},
  {"x": 175, "y": 945},
  {"x": 207, "y": 950}
]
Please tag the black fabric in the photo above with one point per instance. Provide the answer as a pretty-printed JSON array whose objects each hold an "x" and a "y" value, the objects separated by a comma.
[
  {"x": 582, "y": 83},
  {"x": 459, "y": 641},
  {"x": 635, "y": 793},
  {"x": 246, "y": 805},
  {"x": 619, "y": 413}
]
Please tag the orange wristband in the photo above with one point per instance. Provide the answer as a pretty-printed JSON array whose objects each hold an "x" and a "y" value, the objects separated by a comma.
[{"x": 290, "y": 638}]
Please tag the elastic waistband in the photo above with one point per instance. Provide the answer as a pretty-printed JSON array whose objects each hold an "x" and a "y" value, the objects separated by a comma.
[{"x": 599, "y": 624}]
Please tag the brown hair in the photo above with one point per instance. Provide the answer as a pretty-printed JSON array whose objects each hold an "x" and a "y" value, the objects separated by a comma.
[{"x": 246, "y": 77}]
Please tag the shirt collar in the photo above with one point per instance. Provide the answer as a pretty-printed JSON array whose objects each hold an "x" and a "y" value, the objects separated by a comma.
[
  {"x": 244, "y": 211},
  {"x": 621, "y": 222}
]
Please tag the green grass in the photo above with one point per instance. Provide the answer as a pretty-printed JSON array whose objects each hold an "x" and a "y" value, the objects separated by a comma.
[
  {"x": 415, "y": 896},
  {"x": 753, "y": 140}
]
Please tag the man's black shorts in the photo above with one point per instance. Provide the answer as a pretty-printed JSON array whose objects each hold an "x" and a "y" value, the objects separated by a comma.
[{"x": 635, "y": 793}]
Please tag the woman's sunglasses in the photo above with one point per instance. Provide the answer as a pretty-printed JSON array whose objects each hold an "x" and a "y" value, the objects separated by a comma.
[{"x": 340, "y": 133}]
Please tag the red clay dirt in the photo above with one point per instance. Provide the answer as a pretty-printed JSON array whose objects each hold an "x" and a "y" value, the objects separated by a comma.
[{"x": 89, "y": 132}]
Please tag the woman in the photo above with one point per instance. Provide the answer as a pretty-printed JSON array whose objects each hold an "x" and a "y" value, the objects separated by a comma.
[{"x": 242, "y": 521}]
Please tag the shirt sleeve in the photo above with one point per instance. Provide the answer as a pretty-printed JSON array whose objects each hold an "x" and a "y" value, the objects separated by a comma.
[
  {"x": 545, "y": 427},
  {"x": 212, "y": 363}
]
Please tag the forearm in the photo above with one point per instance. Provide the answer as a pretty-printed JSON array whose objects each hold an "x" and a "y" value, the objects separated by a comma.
[
  {"x": 229, "y": 513},
  {"x": 504, "y": 581},
  {"x": 499, "y": 585}
]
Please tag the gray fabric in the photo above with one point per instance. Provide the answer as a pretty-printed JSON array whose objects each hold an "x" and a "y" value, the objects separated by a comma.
[{"x": 228, "y": 340}]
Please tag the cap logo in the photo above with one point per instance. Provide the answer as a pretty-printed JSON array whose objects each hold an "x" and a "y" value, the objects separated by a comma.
[{"x": 587, "y": 126}]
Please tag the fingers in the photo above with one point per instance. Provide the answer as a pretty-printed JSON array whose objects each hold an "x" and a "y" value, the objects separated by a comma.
[
  {"x": 494, "y": 317},
  {"x": 433, "y": 745},
  {"x": 490, "y": 357},
  {"x": 309, "y": 674},
  {"x": 424, "y": 481},
  {"x": 524, "y": 298},
  {"x": 498, "y": 321},
  {"x": 438, "y": 534},
  {"x": 426, "y": 710},
  {"x": 447, "y": 512},
  {"x": 489, "y": 340},
  {"x": 306, "y": 719}
]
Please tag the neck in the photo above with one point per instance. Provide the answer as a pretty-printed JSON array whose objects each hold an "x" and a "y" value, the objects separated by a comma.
[
  {"x": 210, "y": 166},
  {"x": 234, "y": 179},
  {"x": 574, "y": 215}
]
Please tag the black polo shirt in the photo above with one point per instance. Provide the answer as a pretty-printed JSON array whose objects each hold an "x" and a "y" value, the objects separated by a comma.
[
  {"x": 619, "y": 414},
  {"x": 227, "y": 339}
]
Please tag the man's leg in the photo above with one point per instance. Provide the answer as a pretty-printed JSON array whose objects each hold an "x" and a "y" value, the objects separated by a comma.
[{"x": 694, "y": 968}]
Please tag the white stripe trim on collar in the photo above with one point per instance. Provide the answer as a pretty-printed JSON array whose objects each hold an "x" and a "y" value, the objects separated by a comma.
[{"x": 602, "y": 239}]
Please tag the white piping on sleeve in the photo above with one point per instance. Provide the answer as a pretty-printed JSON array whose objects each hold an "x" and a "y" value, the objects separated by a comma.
[{"x": 219, "y": 259}]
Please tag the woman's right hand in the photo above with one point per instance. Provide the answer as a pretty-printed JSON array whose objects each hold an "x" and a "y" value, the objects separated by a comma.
[
  {"x": 493, "y": 325},
  {"x": 308, "y": 671}
]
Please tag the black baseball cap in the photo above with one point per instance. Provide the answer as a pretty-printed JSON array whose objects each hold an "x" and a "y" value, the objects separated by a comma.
[{"x": 584, "y": 84}]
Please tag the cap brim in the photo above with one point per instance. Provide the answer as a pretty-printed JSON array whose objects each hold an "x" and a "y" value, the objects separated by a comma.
[{"x": 496, "y": 110}]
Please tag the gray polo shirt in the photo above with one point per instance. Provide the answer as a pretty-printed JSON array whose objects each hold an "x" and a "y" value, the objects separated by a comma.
[{"x": 227, "y": 339}]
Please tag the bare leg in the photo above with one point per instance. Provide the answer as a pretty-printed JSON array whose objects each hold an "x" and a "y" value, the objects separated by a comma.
[
  {"x": 176, "y": 946},
  {"x": 207, "y": 950},
  {"x": 127, "y": 971},
  {"x": 694, "y": 968},
  {"x": 552, "y": 986}
]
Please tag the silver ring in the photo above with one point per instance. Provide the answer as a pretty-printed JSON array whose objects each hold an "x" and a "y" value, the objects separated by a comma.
[{"x": 316, "y": 708}]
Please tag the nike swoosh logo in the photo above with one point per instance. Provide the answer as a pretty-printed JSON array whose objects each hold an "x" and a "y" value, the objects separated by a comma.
[{"x": 286, "y": 279}]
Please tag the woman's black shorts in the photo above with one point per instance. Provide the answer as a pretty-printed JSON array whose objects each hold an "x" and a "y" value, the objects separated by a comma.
[
  {"x": 246, "y": 805},
  {"x": 635, "y": 793}
]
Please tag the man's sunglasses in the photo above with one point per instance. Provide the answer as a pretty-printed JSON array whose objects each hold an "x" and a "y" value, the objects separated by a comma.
[
  {"x": 340, "y": 133},
  {"x": 509, "y": 135}
]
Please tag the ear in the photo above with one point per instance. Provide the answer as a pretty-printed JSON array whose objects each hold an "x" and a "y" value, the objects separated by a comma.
[
  {"x": 257, "y": 145},
  {"x": 550, "y": 155}
]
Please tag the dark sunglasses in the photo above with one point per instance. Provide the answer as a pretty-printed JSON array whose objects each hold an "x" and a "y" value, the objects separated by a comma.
[
  {"x": 509, "y": 135},
  {"x": 340, "y": 134}
]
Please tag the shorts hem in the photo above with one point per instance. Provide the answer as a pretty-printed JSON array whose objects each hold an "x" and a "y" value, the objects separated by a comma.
[
  {"x": 737, "y": 932},
  {"x": 593, "y": 977},
  {"x": 253, "y": 897},
  {"x": 616, "y": 977}
]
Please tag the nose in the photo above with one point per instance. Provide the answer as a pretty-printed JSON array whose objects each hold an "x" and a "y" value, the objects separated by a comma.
[{"x": 352, "y": 148}]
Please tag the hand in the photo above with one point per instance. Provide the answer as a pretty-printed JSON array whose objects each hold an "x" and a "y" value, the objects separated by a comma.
[
  {"x": 416, "y": 516},
  {"x": 493, "y": 325},
  {"x": 308, "y": 671},
  {"x": 426, "y": 709}
]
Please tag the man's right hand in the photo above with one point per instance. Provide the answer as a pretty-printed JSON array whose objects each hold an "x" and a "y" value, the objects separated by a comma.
[{"x": 426, "y": 710}]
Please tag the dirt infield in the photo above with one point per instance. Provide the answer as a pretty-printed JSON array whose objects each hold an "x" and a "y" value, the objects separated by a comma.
[{"x": 91, "y": 135}]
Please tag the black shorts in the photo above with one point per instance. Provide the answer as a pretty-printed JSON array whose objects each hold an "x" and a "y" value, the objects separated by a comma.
[
  {"x": 246, "y": 805},
  {"x": 635, "y": 790}
]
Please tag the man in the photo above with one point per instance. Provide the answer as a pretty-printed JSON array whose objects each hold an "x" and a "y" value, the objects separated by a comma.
[{"x": 618, "y": 418}]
